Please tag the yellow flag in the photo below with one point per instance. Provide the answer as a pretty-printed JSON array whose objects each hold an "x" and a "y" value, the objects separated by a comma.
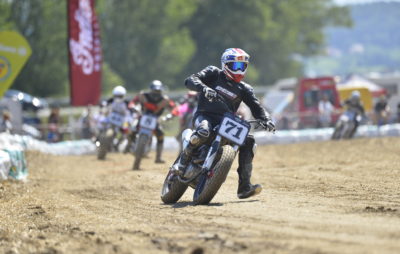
[{"x": 14, "y": 52}]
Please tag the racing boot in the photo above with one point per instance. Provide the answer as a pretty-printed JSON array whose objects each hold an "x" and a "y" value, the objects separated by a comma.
[
  {"x": 131, "y": 140},
  {"x": 184, "y": 160},
  {"x": 187, "y": 153},
  {"x": 159, "y": 149},
  {"x": 245, "y": 188}
]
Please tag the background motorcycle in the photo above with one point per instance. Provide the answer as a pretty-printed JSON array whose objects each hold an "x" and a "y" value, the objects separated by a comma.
[
  {"x": 112, "y": 125},
  {"x": 346, "y": 126},
  {"x": 147, "y": 124}
]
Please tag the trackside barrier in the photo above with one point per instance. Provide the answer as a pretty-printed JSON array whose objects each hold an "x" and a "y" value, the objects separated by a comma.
[
  {"x": 5, "y": 165},
  {"x": 12, "y": 147},
  {"x": 309, "y": 135},
  {"x": 73, "y": 147},
  {"x": 13, "y": 164},
  {"x": 12, "y": 155},
  {"x": 306, "y": 135}
]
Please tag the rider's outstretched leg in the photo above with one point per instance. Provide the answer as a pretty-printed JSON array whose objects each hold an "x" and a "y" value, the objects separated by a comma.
[
  {"x": 246, "y": 154},
  {"x": 160, "y": 145}
]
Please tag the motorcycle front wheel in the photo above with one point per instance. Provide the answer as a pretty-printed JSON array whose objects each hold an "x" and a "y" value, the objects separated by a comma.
[
  {"x": 105, "y": 143},
  {"x": 140, "y": 149},
  {"x": 209, "y": 185}
]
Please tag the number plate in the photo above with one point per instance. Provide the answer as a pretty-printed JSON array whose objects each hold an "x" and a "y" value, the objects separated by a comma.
[
  {"x": 234, "y": 130},
  {"x": 148, "y": 122},
  {"x": 116, "y": 119}
]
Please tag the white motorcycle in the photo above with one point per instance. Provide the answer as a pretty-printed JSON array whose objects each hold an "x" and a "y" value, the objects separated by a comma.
[
  {"x": 112, "y": 125},
  {"x": 147, "y": 124},
  {"x": 346, "y": 126}
]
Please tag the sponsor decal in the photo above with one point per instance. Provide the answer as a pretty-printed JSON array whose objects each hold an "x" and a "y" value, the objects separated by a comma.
[{"x": 226, "y": 92}]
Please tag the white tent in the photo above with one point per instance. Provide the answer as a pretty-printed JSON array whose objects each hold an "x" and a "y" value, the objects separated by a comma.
[{"x": 355, "y": 81}]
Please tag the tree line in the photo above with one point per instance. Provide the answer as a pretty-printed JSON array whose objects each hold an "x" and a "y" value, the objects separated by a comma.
[{"x": 168, "y": 40}]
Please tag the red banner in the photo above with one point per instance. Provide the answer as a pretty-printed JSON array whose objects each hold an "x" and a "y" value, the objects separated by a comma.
[{"x": 85, "y": 56}]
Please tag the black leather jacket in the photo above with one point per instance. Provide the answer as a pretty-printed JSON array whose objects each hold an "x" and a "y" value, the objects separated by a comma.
[
  {"x": 233, "y": 93},
  {"x": 355, "y": 106}
]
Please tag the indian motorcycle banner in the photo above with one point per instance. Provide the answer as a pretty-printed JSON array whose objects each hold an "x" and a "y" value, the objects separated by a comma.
[{"x": 85, "y": 56}]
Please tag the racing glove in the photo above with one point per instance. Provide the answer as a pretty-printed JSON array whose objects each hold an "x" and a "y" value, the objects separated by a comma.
[
  {"x": 268, "y": 124},
  {"x": 209, "y": 93}
]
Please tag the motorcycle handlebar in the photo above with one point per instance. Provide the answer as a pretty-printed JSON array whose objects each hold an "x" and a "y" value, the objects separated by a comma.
[{"x": 256, "y": 121}]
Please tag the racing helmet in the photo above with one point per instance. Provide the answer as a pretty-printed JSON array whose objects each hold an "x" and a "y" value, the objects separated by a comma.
[
  {"x": 119, "y": 91},
  {"x": 355, "y": 95},
  {"x": 234, "y": 63},
  {"x": 156, "y": 86}
]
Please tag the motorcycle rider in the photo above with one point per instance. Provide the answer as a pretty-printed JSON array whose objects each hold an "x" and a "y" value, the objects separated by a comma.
[
  {"x": 211, "y": 82},
  {"x": 118, "y": 111},
  {"x": 117, "y": 102},
  {"x": 155, "y": 102},
  {"x": 354, "y": 104}
]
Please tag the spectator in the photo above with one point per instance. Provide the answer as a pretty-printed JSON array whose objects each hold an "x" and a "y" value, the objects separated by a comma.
[
  {"x": 87, "y": 123},
  {"x": 382, "y": 111},
  {"x": 325, "y": 110},
  {"x": 54, "y": 122},
  {"x": 5, "y": 124},
  {"x": 398, "y": 113}
]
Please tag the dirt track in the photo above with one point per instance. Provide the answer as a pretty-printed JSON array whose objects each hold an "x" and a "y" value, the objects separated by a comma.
[{"x": 330, "y": 197}]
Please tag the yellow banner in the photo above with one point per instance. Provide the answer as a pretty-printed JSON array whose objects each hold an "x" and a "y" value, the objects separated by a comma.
[{"x": 14, "y": 52}]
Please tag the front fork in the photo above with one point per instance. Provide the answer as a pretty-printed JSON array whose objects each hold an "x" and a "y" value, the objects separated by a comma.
[{"x": 212, "y": 154}]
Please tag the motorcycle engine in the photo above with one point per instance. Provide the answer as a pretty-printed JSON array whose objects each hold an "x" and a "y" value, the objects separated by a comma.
[{"x": 191, "y": 171}]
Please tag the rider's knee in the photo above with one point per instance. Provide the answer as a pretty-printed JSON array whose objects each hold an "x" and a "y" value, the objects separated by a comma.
[
  {"x": 199, "y": 137},
  {"x": 249, "y": 145},
  {"x": 201, "y": 134},
  {"x": 250, "y": 142}
]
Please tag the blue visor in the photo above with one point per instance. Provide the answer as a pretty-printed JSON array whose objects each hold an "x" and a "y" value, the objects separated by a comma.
[{"x": 235, "y": 66}]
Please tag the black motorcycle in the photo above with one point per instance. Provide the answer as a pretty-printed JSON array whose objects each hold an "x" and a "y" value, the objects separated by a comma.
[{"x": 210, "y": 163}]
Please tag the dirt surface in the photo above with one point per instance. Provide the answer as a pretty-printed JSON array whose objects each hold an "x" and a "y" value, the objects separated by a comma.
[{"x": 329, "y": 197}]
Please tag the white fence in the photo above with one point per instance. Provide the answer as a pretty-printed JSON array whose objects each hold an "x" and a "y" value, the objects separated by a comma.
[
  {"x": 12, "y": 147},
  {"x": 309, "y": 135}
]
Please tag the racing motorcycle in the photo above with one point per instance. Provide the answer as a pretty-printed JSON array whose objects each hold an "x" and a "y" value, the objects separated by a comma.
[
  {"x": 210, "y": 162},
  {"x": 112, "y": 126},
  {"x": 346, "y": 126},
  {"x": 147, "y": 124}
]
